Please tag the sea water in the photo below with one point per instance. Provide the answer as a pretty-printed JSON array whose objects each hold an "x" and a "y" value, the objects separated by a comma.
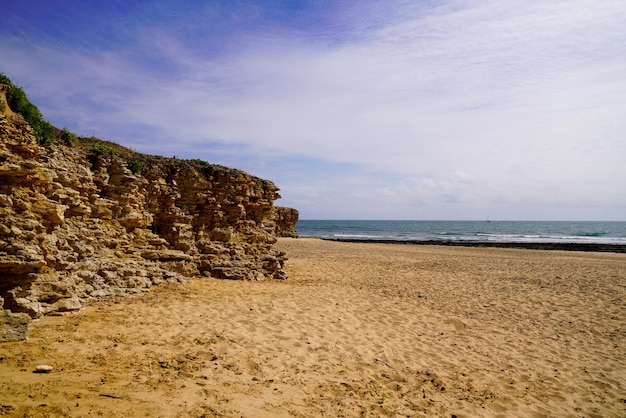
[{"x": 488, "y": 231}]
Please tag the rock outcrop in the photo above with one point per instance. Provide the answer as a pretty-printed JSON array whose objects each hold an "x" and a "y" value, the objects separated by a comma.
[
  {"x": 97, "y": 219},
  {"x": 13, "y": 326},
  {"x": 286, "y": 220}
]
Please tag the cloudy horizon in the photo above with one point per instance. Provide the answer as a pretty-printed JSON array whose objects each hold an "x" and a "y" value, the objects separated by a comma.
[{"x": 356, "y": 110}]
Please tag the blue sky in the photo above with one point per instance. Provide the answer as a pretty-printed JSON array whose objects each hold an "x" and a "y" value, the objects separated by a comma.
[{"x": 366, "y": 109}]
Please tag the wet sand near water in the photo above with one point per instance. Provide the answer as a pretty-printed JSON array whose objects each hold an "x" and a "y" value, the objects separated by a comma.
[{"x": 357, "y": 330}]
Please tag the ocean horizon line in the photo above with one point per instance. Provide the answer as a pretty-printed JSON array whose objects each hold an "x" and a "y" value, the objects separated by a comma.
[
  {"x": 481, "y": 232},
  {"x": 455, "y": 220}
]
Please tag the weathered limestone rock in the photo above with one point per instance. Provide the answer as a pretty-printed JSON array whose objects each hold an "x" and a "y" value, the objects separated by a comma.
[
  {"x": 286, "y": 220},
  {"x": 96, "y": 219},
  {"x": 13, "y": 326}
]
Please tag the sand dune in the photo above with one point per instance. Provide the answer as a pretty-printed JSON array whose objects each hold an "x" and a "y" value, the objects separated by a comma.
[{"x": 357, "y": 330}]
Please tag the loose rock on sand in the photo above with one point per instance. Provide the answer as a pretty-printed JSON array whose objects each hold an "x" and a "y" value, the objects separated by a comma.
[{"x": 43, "y": 368}]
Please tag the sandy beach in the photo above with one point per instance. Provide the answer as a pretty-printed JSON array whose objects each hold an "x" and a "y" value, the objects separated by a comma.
[{"x": 357, "y": 330}]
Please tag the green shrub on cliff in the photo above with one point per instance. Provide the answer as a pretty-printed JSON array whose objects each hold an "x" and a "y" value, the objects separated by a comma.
[
  {"x": 199, "y": 161},
  {"x": 100, "y": 147},
  {"x": 19, "y": 103},
  {"x": 68, "y": 137},
  {"x": 135, "y": 161},
  {"x": 5, "y": 80},
  {"x": 135, "y": 166}
]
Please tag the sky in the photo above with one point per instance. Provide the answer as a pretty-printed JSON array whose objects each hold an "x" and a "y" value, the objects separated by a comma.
[{"x": 368, "y": 109}]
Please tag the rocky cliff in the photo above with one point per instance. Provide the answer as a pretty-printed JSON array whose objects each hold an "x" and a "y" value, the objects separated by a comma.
[
  {"x": 93, "y": 219},
  {"x": 286, "y": 220}
]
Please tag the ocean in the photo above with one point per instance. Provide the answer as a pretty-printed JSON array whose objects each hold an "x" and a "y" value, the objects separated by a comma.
[{"x": 561, "y": 232}]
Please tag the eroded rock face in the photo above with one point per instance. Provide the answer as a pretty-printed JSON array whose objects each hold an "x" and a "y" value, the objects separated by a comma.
[
  {"x": 13, "y": 326},
  {"x": 77, "y": 223},
  {"x": 286, "y": 220}
]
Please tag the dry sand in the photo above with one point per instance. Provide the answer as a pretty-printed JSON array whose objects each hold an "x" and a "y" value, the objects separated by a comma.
[{"x": 357, "y": 330}]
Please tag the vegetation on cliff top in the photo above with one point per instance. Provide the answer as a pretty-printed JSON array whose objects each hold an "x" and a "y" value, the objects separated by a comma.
[
  {"x": 19, "y": 103},
  {"x": 47, "y": 134}
]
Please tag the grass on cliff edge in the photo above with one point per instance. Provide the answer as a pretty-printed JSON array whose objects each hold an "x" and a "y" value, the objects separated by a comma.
[
  {"x": 44, "y": 131},
  {"x": 136, "y": 161},
  {"x": 47, "y": 134},
  {"x": 19, "y": 103}
]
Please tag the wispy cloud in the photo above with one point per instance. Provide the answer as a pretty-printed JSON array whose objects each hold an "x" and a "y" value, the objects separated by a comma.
[{"x": 408, "y": 111}]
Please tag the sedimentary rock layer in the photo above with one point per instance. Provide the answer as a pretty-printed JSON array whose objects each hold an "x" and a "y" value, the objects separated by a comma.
[
  {"x": 286, "y": 219},
  {"x": 96, "y": 219}
]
